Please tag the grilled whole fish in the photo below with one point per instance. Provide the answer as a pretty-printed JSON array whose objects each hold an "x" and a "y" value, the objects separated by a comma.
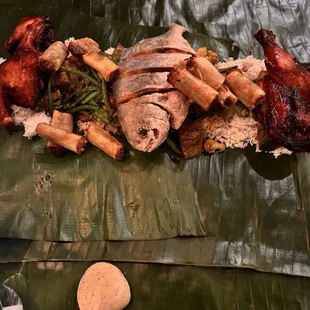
[{"x": 148, "y": 105}]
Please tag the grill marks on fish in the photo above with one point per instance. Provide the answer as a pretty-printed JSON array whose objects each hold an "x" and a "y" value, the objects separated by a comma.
[
  {"x": 173, "y": 102},
  {"x": 151, "y": 63},
  {"x": 147, "y": 103},
  {"x": 137, "y": 85},
  {"x": 171, "y": 40}
]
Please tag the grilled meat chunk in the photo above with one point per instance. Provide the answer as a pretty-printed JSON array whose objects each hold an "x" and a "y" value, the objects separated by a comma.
[
  {"x": 191, "y": 138},
  {"x": 285, "y": 113}
]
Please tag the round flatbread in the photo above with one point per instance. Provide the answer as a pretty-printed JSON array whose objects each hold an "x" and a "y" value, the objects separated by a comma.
[{"x": 103, "y": 287}]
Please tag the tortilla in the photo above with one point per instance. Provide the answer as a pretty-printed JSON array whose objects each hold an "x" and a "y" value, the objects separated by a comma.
[{"x": 103, "y": 287}]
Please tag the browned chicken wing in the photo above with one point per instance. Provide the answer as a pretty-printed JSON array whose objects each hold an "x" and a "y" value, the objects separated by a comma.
[
  {"x": 20, "y": 78},
  {"x": 285, "y": 112}
]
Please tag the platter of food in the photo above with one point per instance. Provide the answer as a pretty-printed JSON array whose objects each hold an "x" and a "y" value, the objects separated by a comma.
[
  {"x": 172, "y": 140},
  {"x": 184, "y": 167}
]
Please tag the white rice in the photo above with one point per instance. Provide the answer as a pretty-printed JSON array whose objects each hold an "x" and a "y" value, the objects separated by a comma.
[
  {"x": 2, "y": 60},
  {"x": 29, "y": 119},
  {"x": 67, "y": 41}
]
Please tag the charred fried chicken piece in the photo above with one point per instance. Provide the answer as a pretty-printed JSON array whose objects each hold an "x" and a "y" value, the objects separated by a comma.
[
  {"x": 285, "y": 112},
  {"x": 20, "y": 77}
]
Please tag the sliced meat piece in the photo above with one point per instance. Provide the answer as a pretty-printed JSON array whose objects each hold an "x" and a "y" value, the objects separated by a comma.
[
  {"x": 174, "y": 102},
  {"x": 171, "y": 40},
  {"x": 145, "y": 126},
  {"x": 137, "y": 85},
  {"x": 191, "y": 138},
  {"x": 82, "y": 46},
  {"x": 151, "y": 62}
]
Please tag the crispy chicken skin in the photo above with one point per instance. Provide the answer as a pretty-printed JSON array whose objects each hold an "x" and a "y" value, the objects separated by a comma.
[
  {"x": 20, "y": 78},
  {"x": 285, "y": 112}
]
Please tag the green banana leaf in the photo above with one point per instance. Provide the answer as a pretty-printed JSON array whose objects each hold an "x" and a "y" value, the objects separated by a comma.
[
  {"x": 251, "y": 208},
  {"x": 92, "y": 197},
  {"x": 53, "y": 285}
]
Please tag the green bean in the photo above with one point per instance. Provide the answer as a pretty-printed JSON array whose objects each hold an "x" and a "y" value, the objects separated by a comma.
[
  {"x": 95, "y": 75},
  {"x": 78, "y": 100},
  {"x": 173, "y": 147},
  {"x": 105, "y": 96},
  {"x": 49, "y": 92},
  {"x": 81, "y": 74},
  {"x": 57, "y": 103},
  {"x": 93, "y": 102},
  {"x": 101, "y": 115},
  {"x": 82, "y": 108},
  {"x": 111, "y": 57},
  {"x": 90, "y": 97},
  {"x": 240, "y": 110}
]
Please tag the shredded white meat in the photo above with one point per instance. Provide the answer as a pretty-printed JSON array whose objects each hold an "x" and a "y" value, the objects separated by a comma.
[{"x": 250, "y": 66}]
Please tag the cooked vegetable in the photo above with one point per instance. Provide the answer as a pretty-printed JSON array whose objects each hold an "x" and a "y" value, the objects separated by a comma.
[
  {"x": 208, "y": 54},
  {"x": 173, "y": 146},
  {"x": 104, "y": 141},
  {"x": 192, "y": 87},
  {"x": 63, "y": 121},
  {"x": 70, "y": 141},
  {"x": 249, "y": 93},
  {"x": 80, "y": 74},
  {"x": 203, "y": 69},
  {"x": 106, "y": 67},
  {"x": 53, "y": 57},
  {"x": 213, "y": 146}
]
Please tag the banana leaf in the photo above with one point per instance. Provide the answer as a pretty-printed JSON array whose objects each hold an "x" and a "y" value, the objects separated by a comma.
[
  {"x": 252, "y": 208},
  {"x": 53, "y": 285},
  {"x": 92, "y": 197}
]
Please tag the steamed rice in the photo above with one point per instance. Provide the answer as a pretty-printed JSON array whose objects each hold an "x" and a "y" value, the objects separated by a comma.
[
  {"x": 2, "y": 60},
  {"x": 29, "y": 119}
]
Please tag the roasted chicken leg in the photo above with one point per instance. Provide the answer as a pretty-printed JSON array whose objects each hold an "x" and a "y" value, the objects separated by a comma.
[
  {"x": 285, "y": 112},
  {"x": 20, "y": 77}
]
